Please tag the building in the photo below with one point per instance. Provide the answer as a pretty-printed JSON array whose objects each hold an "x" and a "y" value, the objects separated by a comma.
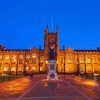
[{"x": 18, "y": 61}]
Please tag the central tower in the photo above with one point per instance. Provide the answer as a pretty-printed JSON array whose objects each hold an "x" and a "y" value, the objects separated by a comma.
[{"x": 51, "y": 50}]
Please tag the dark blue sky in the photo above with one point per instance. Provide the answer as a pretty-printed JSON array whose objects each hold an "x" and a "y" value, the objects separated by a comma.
[{"x": 22, "y": 22}]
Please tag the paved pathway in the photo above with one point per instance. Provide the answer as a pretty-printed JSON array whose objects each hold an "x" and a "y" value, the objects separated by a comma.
[
  {"x": 67, "y": 89},
  {"x": 13, "y": 89},
  {"x": 39, "y": 88}
]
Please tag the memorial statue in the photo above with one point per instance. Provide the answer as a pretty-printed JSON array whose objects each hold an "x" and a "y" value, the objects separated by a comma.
[
  {"x": 52, "y": 50},
  {"x": 52, "y": 54}
]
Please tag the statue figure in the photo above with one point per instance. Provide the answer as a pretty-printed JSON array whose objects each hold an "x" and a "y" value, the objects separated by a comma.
[{"x": 52, "y": 54}]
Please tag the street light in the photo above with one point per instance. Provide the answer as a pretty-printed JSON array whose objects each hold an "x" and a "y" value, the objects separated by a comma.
[
  {"x": 64, "y": 59},
  {"x": 78, "y": 68},
  {"x": 39, "y": 57},
  {"x": 85, "y": 65},
  {"x": 25, "y": 63},
  {"x": 17, "y": 64},
  {"x": 92, "y": 66}
]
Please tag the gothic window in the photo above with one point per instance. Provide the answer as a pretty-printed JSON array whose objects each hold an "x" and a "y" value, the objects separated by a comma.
[
  {"x": 20, "y": 68},
  {"x": 69, "y": 58},
  {"x": 41, "y": 59},
  {"x": 14, "y": 59},
  {"x": 81, "y": 59},
  {"x": 34, "y": 61},
  {"x": 33, "y": 68},
  {"x": 41, "y": 68},
  {"x": 94, "y": 59},
  {"x": 33, "y": 55},
  {"x": 13, "y": 69},
  {"x": 7, "y": 59},
  {"x": 27, "y": 56},
  {"x": 52, "y": 43},
  {"x": 88, "y": 59},
  {"x": 61, "y": 60},
  {"x": 6, "y": 68}
]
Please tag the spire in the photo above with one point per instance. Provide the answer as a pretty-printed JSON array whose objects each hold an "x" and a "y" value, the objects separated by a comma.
[
  {"x": 52, "y": 23},
  {"x": 47, "y": 28},
  {"x": 56, "y": 28}
]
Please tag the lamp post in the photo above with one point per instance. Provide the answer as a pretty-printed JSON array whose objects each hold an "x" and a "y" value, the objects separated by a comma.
[
  {"x": 24, "y": 72},
  {"x": 17, "y": 65},
  {"x": 39, "y": 57},
  {"x": 64, "y": 59},
  {"x": 47, "y": 66},
  {"x": 78, "y": 69},
  {"x": 92, "y": 66},
  {"x": 85, "y": 64},
  {"x": 64, "y": 66}
]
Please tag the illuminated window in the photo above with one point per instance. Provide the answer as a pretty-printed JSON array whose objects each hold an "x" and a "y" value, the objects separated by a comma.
[
  {"x": 94, "y": 59},
  {"x": 14, "y": 59},
  {"x": 69, "y": 61},
  {"x": 13, "y": 69},
  {"x": 41, "y": 59},
  {"x": 20, "y": 69},
  {"x": 7, "y": 57},
  {"x": 26, "y": 68},
  {"x": 33, "y": 68},
  {"x": 27, "y": 56},
  {"x": 81, "y": 59},
  {"x": 69, "y": 58},
  {"x": 41, "y": 68},
  {"x": 33, "y": 55},
  {"x": 34, "y": 61},
  {"x": 5, "y": 68},
  {"x": 88, "y": 59},
  {"x": 61, "y": 60},
  {"x": 0, "y": 56}
]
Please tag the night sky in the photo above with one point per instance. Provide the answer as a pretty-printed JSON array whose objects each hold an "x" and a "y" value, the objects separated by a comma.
[{"x": 22, "y": 22}]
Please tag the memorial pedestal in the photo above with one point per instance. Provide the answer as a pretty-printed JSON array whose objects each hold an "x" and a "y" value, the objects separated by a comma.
[{"x": 52, "y": 74}]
